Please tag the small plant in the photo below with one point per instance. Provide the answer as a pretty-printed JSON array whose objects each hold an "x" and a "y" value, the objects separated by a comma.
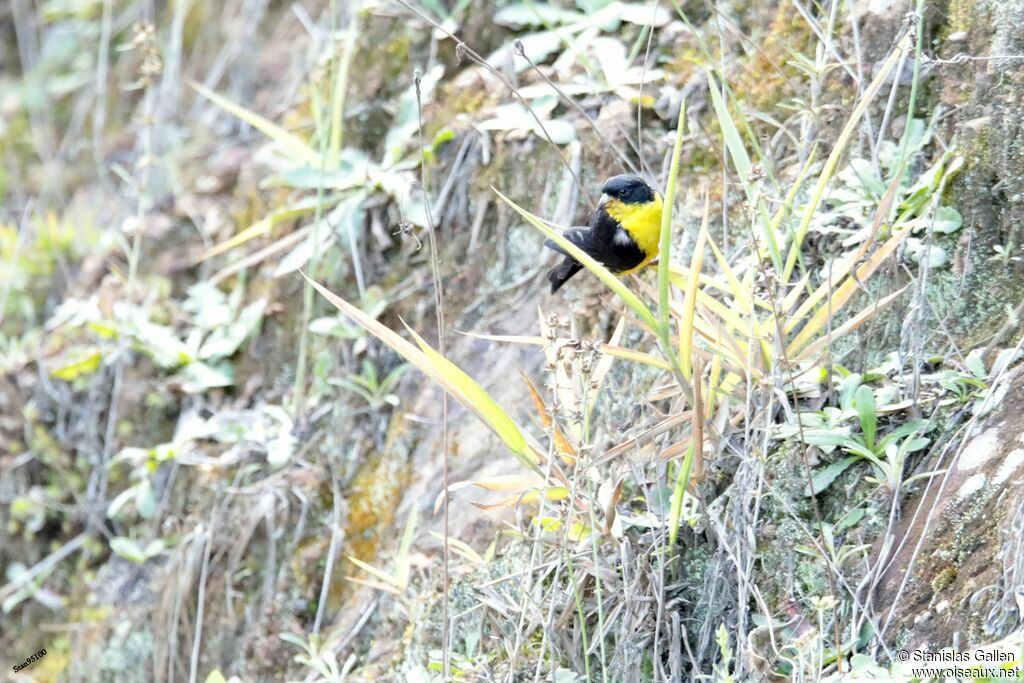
[
  {"x": 319, "y": 655},
  {"x": 377, "y": 393},
  {"x": 396, "y": 581},
  {"x": 830, "y": 429}
]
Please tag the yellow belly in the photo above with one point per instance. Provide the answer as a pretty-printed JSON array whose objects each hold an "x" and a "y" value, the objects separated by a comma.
[{"x": 643, "y": 223}]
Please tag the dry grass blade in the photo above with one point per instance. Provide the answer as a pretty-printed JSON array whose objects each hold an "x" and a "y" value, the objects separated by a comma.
[
  {"x": 259, "y": 228},
  {"x": 538, "y": 401},
  {"x": 508, "y": 482},
  {"x": 461, "y": 548},
  {"x": 605, "y": 363},
  {"x": 292, "y": 143},
  {"x": 836, "y": 274},
  {"x": 850, "y": 325},
  {"x": 444, "y": 372},
  {"x": 843, "y": 293},
  {"x": 465, "y": 388},
  {"x": 552, "y": 493},
  {"x": 643, "y": 439},
  {"x": 635, "y": 356},
  {"x": 531, "y": 340}
]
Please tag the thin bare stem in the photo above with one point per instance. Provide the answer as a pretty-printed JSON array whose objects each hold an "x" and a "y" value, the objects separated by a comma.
[{"x": 435, "y": 270}]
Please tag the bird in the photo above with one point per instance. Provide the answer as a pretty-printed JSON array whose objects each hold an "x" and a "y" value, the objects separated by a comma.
[{"x": 622, "y": 233}]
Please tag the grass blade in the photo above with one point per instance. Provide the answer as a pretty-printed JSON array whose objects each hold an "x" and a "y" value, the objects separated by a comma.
[
  {"x": 259, "y": 228},
  {"x": 690, "y": 301},
  {"x": 666, "y": 222},
  {"x": 292, "y": 143},
  {"x": 678, "y": 493},
  {"x": 842, "y": 294},
  {"x": 850, "y": 325},
  {"x": 444, "y": 372},
  {"x": 744, "y": 167}
]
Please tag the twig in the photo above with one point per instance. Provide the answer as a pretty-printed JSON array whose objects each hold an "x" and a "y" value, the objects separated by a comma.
[
  {"x": 44, "y": 566},
  {"x": 332, "y": 548},
  {"x": 435, "y": 270}
]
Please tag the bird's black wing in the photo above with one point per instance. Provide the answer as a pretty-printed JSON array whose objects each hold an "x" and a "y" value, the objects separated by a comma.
[
  {"x": 610, "y": 244},
  {"x": 599, "y": 241}
]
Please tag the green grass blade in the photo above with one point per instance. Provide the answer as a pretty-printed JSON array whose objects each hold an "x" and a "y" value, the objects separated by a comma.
[
  {"x": 666, "y": 222},
  {"x": 340, "y": 88},
  {"x": 865, "y": 402},
  {"x": 744, "y": 167},
  {"x": 675, "y": 513},
  {"x": 402, "y": 557}
]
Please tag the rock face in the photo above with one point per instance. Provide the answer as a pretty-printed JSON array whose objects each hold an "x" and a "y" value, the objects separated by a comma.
[
  {"x": 956, "y": 577},
  {"x": 980, "y": 82}
]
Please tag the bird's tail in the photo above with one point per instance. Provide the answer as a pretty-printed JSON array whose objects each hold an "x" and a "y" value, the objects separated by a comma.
[{"x": 561, "y": 273}]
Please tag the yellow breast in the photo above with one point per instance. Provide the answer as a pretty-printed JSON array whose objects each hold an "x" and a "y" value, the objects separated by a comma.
[{"x": 642, "y": 222}]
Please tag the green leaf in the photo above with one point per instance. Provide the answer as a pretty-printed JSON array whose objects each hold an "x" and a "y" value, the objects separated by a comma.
[
  {"x": 159, "y": 343},
  {"x": 947, "y": 219},
  {"x": 120, "y": 501},
  {"x": 145, "y": 499},
  {"x": 665, "y": 243},
  {"x": 827, "y": 437},
  {"x": 848, "y": 389},
  {"x": 975, "y": 362},
  {"x": 675, "y": 512},
  {"x": 132, "y": 551},
  {"x": 225, "y": 341},
  {"x": 849, "y": 520},
  {"x": 80, "y": 363},
  {"x": 904, "y": 430},
  {"x": 824, "y": 477},
  {"x": 865, "y": 404},
  {"x": 197, "y": 377}
]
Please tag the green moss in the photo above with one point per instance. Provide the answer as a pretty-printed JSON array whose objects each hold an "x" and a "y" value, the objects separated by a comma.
[
  {"x": 944, "y": 579},
  {"x": 961, "y": 15},
  {"x": 760, "y": 83}
]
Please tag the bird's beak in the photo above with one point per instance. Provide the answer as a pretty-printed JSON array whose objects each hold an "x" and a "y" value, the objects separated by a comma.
[{"x": 604, "y": 200}]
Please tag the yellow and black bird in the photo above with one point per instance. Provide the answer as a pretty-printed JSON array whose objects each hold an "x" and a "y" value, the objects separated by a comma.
[{"x": 622, "y": 234}]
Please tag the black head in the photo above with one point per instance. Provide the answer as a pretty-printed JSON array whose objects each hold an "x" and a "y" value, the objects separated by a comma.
[{"x": 628, "y": 189}]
